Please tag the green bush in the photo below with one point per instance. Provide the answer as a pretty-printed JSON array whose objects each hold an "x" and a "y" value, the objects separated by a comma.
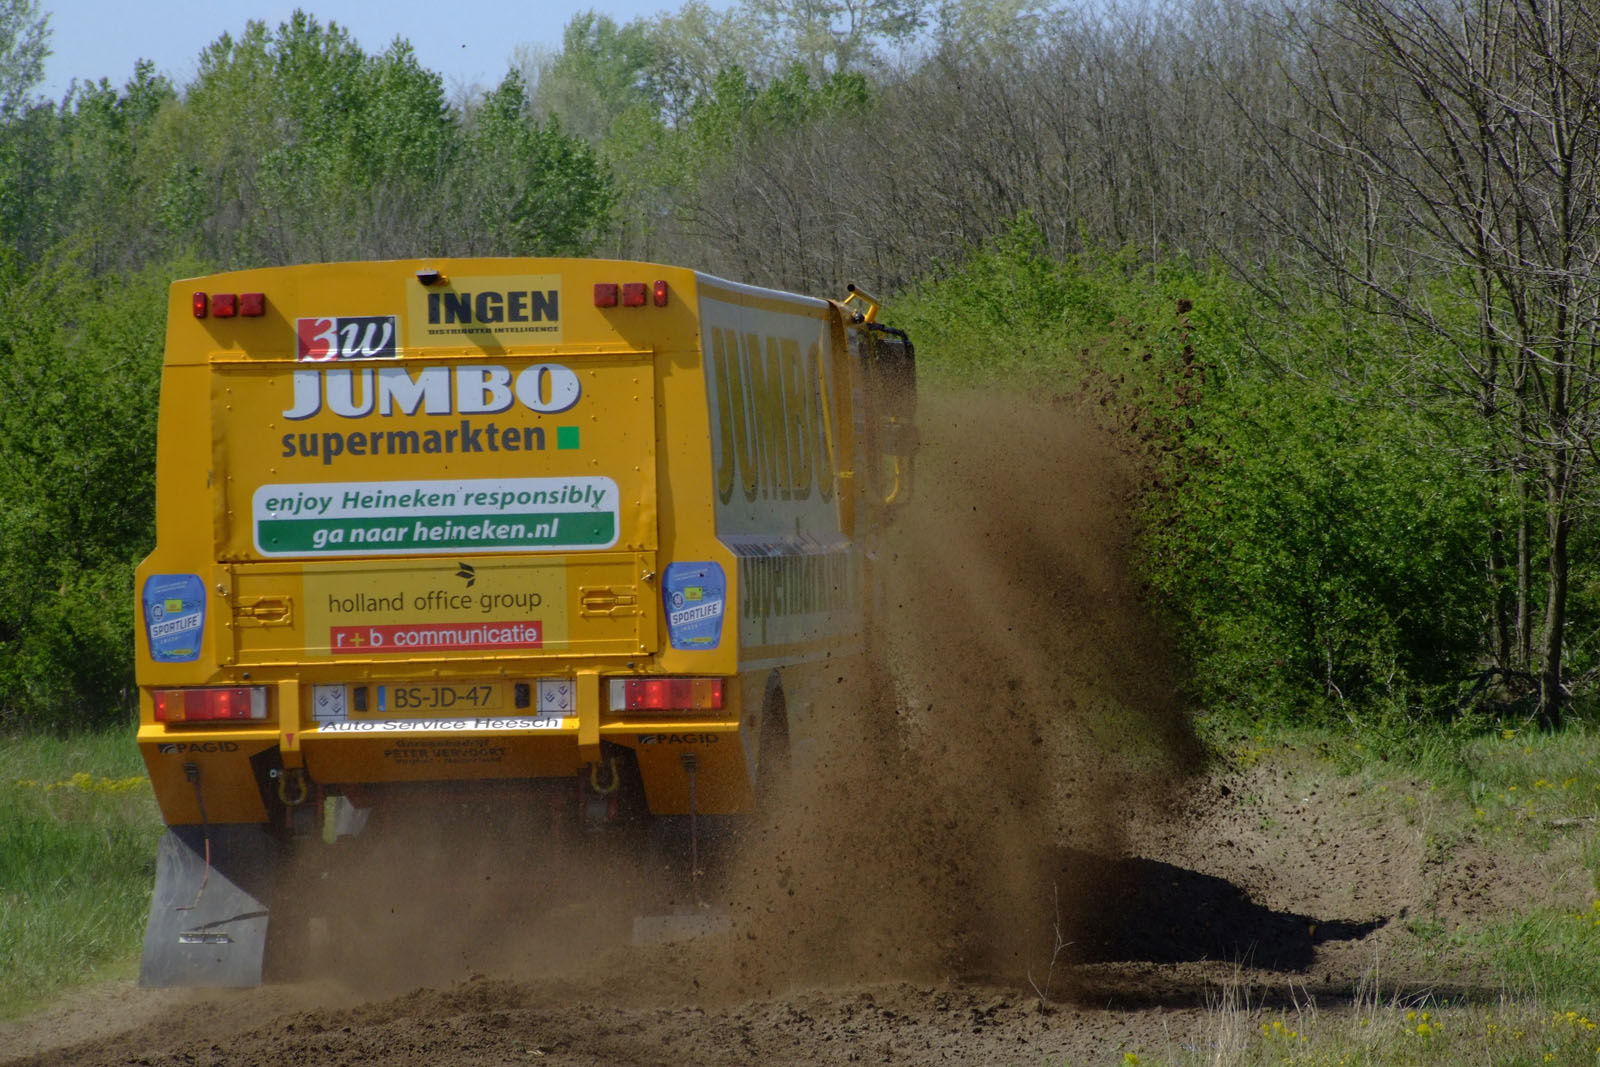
[
  {"x": 79, "y": 381},
  {"x": 1310, "y": 536},
  {"x": 1316, "y": 551}
]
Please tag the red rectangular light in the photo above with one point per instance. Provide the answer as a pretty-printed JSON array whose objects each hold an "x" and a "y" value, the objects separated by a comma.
[
  {"x": 633, "y": 294},
  {"x": 666, "y": 694},
  {"x": 252, "y": 305},
  {"x": 605, "y": 295},
  {"x": 661, "y": 294},
  {"x": 220, "y": 704},
  {"x": 200, "y": 302},
  {"x": 224, "y": 305}
]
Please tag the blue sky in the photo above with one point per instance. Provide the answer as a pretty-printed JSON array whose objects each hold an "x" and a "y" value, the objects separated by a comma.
[{"x": 466, "y": 41}]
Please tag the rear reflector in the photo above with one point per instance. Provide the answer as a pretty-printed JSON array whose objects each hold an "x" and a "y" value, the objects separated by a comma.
[
  {"x": 231, "y": 704},
  {"x": 666, "y": 694},
  {"x": 633, "y": 294},
  {"x": 605, "y": 295},
  {"x": 224, "y": 305},
  {"x": 252, "y": 305}
]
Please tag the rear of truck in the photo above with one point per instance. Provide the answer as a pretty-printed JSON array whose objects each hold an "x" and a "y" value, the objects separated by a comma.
[{"x": 427, "y": 524}]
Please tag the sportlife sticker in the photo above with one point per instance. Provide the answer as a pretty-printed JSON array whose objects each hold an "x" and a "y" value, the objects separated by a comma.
[
  {"x": 174, "y": 616},
  {"x": 327, "y": 338},
  {"x": 695, "y": 595}
]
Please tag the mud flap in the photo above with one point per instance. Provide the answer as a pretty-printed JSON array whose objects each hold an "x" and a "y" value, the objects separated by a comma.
[
  {"x": 208, "y": 921},
  {"x": 672, "y": 909}
]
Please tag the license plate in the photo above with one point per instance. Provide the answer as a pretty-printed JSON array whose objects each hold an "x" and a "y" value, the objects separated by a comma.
[{"x": 433, "y": 697}]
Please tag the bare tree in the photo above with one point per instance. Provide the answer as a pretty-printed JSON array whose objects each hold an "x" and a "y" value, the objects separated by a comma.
[{"x": 1447, "y": 155}]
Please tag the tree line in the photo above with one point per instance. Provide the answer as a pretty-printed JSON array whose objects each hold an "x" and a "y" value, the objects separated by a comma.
[{"x": 1325, "y": 266}]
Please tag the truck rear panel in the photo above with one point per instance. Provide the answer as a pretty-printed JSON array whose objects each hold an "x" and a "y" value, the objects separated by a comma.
[
  {"x": 419, "y": 525},
  {"x": 573, "y": 534}
]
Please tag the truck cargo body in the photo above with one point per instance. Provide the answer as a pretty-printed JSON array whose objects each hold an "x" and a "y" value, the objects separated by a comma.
[{"x": 473, "y": 520}]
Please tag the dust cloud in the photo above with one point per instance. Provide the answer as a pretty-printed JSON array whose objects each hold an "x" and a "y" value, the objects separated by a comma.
[
  {"x": 1018, "y": 709},
  {"x": 453, "y": 884},
  {"x": 1028, "y": 711}
]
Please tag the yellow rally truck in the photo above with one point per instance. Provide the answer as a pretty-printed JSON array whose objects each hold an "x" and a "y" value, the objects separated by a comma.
[{"x": 575, "y": 530}]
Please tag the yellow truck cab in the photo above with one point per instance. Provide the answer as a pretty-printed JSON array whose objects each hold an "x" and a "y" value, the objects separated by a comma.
[{"x": 589, "y": 527}]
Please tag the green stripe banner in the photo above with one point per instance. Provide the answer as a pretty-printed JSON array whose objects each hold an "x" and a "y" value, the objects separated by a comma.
[{"x": 498, "y": 533}]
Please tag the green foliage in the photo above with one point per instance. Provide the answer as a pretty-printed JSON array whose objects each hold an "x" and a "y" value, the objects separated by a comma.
[
  {"x": 1014, "y": 314},
  {"x": 293, "y": 144},
  {"x": 539, "y": 192},
  {"x": 79, "y": 378},
  {"x": 834, "y": 36},
  {"x": 74, "y": 173},
  {"x": 1312, "y": 544},
  {"x": 24, "y": 44},
  {"x": 738, "y": 112},
  {"x": 602, "y": 72},
  {"x": 991, "y": 27},
  {"x": 29, "y": 194},
  {"x": 302, "y": 138},
  {"x": 1318, "y": 552},
  {"x": 99, "y": 175},
  {"x": 718, "y": 129}
]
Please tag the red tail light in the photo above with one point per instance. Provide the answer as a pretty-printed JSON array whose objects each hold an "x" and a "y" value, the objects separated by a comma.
[
  {"x": 666, "y": 694},
  {"x": 227, "y": 305},
  {"x": 630, "y": 294},
  {"x": 231, "y": 704}
]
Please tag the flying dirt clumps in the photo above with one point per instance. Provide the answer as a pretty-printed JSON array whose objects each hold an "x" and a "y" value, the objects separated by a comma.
[{"x": 1026, "y": 709}]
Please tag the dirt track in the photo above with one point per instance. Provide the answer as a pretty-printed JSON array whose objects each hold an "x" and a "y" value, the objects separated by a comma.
[
  {"x": 1288, "y": 895},
  {"x": 1043, "y": 827}
]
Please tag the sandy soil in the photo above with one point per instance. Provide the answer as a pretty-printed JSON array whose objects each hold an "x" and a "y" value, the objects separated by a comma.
[{"x": 1019, "y": 857}]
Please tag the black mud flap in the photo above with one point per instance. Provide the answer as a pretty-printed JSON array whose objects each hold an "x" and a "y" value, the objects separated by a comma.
[{"x": 208, "y": 920}]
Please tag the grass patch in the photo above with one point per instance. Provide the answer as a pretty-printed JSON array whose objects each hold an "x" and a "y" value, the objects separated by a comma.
[
  {"x": 78, "y": 834},
  {"x": 1552, "y": 954},
  {"x": 1526, "y": 782},
  {"x": 1386, "y": 1034},
  {"x": 1514, "y": 774}
]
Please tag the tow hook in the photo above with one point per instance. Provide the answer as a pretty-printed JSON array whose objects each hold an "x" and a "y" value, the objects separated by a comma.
[
  {"x": 611, "y": 785},
  {"x": 600, "y": 799},
  {"x": 293, "y": 787}
]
